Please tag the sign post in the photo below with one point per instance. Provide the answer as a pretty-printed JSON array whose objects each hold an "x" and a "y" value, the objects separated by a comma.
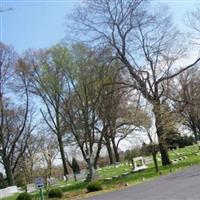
[
  {"x": 41, "y": 194},
  {"x": 39, "y": 182}
]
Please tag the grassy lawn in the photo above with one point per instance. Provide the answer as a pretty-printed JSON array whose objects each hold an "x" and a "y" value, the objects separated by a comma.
[{"x": 78, "y": 189}]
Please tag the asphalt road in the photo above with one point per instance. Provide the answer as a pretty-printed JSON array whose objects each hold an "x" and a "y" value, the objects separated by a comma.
[{"x": 176, "y": 186}]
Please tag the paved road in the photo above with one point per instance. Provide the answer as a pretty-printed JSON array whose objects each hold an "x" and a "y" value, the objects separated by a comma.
[{"x": 183, "y": 185}]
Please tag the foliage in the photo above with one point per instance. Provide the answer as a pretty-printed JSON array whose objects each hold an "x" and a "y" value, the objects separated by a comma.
[
  {"x": 24, "y": 196},
  {"x": 56, "y": 192},
  {"x": 147, "y": 149},
  {"x": 130, "y": 154},
  {"x": 188, "y": 105},
  {"x": 94, "y": 186},
  {"x": 16, "y": 115},
  {"x": 173, "y": 138},
  {"x": 186, "y": 141}
]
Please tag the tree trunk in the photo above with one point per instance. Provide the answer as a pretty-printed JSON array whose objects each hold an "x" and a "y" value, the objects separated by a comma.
[
  {"x": 9, "y": 175},
  {"x": 75, "y": 179},
  {"x": 195, "y": 134},
  {"x": 109, "y": 149},
  {"x": 160, "y": 134},
  {"x": 98, "y": 153},
  {"x": 62, "y": 152},
  {"x": 90, "y": 170},
  {"x": 117, "y": 158},
  {"x": 155, "y": 161},
  {"x": 164, "y": 154}
]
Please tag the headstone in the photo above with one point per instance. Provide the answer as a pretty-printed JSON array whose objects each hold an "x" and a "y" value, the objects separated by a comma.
[
  {"x": 139, "y": 164},
  {"x": 148, "y": 160},
  {"x": 31, "y": 188},
  {"x": 9, "y": 191},
  {"x": 52, "y": 181},
  {"x": 174, "y": 161},
  {"x": 107, "y": 179},
  {"x": 115, "y": 177},
  {"x": 81, "y": 176},
  {"x": 117, "y": 163},
  {"x": 125, "y": 174}
]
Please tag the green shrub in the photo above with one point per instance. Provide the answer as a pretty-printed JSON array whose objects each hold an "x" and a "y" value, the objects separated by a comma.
[
  {"x": 56, "y": 192},
  {"x": 94, "y": 186},
  {"x": 24, "y": 196},
  {"x": 75, "y": 166}
]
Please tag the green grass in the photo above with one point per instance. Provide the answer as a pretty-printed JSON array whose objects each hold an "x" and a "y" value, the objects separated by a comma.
[
  {"x": 11, "y": 197},
  {"x": 78, "y": 188}
]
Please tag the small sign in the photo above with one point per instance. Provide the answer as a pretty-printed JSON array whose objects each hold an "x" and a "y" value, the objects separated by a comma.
[{"x": 39, "y": 182}]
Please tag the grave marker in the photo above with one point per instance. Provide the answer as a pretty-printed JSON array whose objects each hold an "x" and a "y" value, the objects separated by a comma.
[{"x": 139, "y": 164}]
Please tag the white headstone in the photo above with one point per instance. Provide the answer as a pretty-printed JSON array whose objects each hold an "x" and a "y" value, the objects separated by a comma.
[
  {"x": 52, "y": 181},
  {"x": 9, "y": 191},
  {"x": 31, "y": 188},
  {"x": 139, "y": 164},
  {"x": 148, "y": 160}
]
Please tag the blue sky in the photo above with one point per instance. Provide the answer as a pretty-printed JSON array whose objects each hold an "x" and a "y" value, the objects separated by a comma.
[{"x": 41, "y": 23}]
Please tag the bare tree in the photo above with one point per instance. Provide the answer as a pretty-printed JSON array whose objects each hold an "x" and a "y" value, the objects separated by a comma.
[
  {"x": 16, "y": 119},
  {"x": 143, "y": 40},
  {"x": 193, "y": 22},
  {"x": 122, "y": 116},
  {"x": 81, "y": 117},
  {"x": 47, "y": 74},
  {"x": 49, "y": 151},
  {"x": 187, "y": 100},
  {"x": 30, "y": 157}
]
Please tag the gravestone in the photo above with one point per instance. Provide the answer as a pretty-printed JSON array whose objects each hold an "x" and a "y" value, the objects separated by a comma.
[
  {"x": 107, "y": 179},
  {"x": 125, "y": 174},
  {"x": 148, "y": 160},
  {"x": 198, "y": 144},
  {"x": 31, "y": 188},
  {"x": 117, "y": 163},
  {"x": 159, "y": 159},
  {"x": 52, "y": 181},
  {"x": 139, "y": 164},
  {"x": 9, "y": 191},
  {"x": 174, "y": 161}
]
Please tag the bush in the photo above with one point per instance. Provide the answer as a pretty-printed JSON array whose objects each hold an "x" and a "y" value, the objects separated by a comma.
[
  {"x": 94, "y": 186},
  {"x": 24, "y": 196},
  {"x": 186, "y": 141},
  {"x": 75, "y": 166},
  {"x": 56, "y": 192}
]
